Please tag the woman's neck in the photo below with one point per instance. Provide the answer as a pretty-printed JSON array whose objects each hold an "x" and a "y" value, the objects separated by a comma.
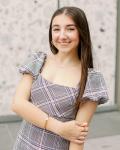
[{"x": 66, "y": 59}]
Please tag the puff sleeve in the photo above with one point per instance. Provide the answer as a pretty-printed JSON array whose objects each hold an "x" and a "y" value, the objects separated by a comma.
[
  {"x": 33, "y": 64},
  {"x": 95, "y": 89}
]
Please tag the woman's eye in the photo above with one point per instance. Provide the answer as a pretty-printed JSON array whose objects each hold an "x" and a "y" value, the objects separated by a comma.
[
  {"x": 56, "y": 29},
  {"x": 70, "y": 29}
]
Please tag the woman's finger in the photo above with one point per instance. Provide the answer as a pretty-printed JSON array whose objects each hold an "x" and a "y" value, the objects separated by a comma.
[
  {"x": 83, "y": 134},
  {"x": 85, "y": 124},
  {"x": 81, "y": 138},
  {"x": 86, "y": 129},
  {"x": 78, "y": 141},
  {"x": 82, "y": 129}
]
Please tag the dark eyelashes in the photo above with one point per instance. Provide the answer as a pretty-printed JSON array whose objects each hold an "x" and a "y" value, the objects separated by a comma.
[{"x": 66, "y": 29}]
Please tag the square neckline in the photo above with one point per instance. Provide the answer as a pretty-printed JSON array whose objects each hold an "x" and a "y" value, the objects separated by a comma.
[{"x": 56, "y": 84}]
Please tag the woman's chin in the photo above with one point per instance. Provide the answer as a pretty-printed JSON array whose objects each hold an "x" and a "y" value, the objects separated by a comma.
[{"x": 64, "y": 49}]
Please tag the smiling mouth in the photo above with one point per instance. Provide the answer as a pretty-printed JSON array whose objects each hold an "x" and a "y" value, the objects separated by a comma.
[{"x": 64, "y": 43}]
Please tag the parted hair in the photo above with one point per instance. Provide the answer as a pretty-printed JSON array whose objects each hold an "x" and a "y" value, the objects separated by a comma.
[{"x": 84, "y": 48}]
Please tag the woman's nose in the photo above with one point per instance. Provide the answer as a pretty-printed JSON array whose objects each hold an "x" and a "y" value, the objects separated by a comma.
[{"x": 62, "y": 34}]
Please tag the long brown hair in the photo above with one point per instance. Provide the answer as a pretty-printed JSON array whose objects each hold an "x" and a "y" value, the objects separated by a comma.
[{"x": 84, "y": 48}]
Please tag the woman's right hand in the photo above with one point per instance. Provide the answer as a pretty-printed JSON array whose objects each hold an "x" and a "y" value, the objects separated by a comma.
[{"x": 74, "y": 131}]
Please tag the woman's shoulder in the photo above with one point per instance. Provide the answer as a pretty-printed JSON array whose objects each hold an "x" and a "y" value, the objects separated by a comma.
[
  {"x": 34, "y": 63},
  {"x": 39, "y": 54},
  {"x": 93, "y": 71},
  {"x": 96, "y": 89},
  {"x": 95, "y": 76}
]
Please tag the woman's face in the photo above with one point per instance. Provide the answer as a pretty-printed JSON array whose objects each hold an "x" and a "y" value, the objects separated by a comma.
[{"x": 65, "y": 35}]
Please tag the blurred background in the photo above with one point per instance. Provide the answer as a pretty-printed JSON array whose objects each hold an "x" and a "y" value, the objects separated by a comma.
[{"x": 24, "y": 30}]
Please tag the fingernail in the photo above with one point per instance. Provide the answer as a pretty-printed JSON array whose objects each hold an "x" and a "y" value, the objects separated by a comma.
[{"x": 85, "y": 123}]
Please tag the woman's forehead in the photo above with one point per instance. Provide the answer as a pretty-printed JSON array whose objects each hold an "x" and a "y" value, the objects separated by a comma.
[{"x": 63, "y": 19}]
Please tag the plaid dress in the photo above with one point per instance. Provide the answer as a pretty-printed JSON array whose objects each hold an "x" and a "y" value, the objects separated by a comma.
[{"x": 56, "y": 100}]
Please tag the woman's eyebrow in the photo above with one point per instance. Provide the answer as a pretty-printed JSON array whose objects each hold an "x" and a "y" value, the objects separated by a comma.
[
  {"x": 68, "y": 25},
  {"x": 55, "y": 25}
]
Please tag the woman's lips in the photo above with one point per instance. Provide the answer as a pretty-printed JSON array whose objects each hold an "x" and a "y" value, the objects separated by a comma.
[{"x": 64, "y": 43}]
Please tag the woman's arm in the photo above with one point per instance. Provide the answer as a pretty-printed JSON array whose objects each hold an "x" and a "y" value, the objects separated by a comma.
[
  {"x": 85, "y": 113},
  {"x": 24, "y": 108}
]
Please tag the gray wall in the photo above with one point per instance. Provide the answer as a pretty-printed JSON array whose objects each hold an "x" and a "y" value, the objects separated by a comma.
[
  {"x": 24, "y": 29},
  {"x": 117, "y": 83}
]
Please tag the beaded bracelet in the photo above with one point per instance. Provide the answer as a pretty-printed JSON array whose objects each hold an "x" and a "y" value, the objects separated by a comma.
[{"x": 46, "y": 122}]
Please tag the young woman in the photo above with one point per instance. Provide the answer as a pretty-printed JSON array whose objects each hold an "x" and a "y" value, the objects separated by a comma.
[{"x": 59, "y": 92}]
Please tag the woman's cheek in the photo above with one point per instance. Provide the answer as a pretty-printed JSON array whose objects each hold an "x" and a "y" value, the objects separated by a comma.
[{"x": 55, "y": 36}]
